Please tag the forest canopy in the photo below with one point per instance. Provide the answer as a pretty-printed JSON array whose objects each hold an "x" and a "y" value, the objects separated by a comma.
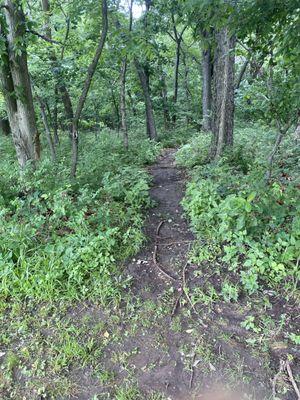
[{"x": 119, "y": 118}]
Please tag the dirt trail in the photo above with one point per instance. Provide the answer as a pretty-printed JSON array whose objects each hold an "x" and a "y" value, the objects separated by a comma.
[
  {"x": 174, "y": 236},
  {"x": 180, "y": 351},
  {"x": 167, "y": 229}
]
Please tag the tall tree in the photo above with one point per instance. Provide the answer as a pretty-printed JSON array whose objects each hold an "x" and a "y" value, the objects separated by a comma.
[
  {"x": 177, "y": 36},
  {"x": 60, "y": 85},
  {"x": 207, "y": 73},
  {"x": 123, "y": 87},
  {"x": 223, "y": 92},
  {"x": 143, "y": 72},
  {"x": 16, "y": 85},
  {"x": 86, "y": 87}
]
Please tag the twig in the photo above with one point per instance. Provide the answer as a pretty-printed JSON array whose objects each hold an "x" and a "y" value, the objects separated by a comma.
[
  {"x": 176, "y": 304},
  {"x": 192, "y": 371},
  {"x": 159, "y": 227},
  {"x": 159, "y": 267},
  {"x": 184, "y": 285},
  {"x": 165, "y": 273},
  {"x": 292, "y": 380},
  {"x": 179, "y": 242},
  {"x": 43, "y": 37},
  {"x": 274, "y": 381}
]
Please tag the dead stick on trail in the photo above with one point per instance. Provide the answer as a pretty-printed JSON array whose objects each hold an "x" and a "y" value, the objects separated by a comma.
[
  {"x": 285, "y": 366},
  {"x": 166, "y": 274},
  {"x": 159, "y": 267},
  {"x": 176, "y": 305},
  {"x": 274, "y": 381},
  {"x": 192, "y": 371},
  {"x": 292, "y": 380}
]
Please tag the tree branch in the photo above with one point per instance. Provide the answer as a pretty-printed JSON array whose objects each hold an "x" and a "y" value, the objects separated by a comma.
[{"x": 43, "y": 37}]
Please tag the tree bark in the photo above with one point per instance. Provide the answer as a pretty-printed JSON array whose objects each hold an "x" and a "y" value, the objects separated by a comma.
[
  {"x": 241, "y": 74},
  {"x": 86, "y": 87},
  {"x": 55, "y": 117},
  {"x": 178, "y": 39},
  {"x": 188, "y": 96},
  {"x": 207, "y": 69},
  {"x": 123, "y": 88},
  {"x": 47, "y": 128},
  {"x": 17, "y": 88},
  {"x": 164, "y": 97},
  {"x": 151, "y": 128},
  {"x": 123, "y": 103},
  {"x": 223, "y": 93},
  {"x": 60, "y": 85}
]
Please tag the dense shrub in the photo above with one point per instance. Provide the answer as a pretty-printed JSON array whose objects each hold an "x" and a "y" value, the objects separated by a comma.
[
  {"x": 253, "y": 228},
  {"x": 60, "y": 238}
]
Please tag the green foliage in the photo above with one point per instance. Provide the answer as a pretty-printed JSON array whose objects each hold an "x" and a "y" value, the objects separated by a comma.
[
  {"x": 64, "y": 239},
  {"x": 229, "y": 204},
  {"x": 195, "y": 152}
]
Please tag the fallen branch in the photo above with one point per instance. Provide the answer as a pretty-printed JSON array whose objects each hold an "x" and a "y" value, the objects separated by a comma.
[
  {"x": 291, "y": 378},
  {"x": 274, "y": 381},
  {"x": 192, "y": 371},
  {"x": 165, "y": 273},
  {"x": 159, "y": 228},
  {"x": 176, "y": 304},
  {"x": 285, "y": 366}
]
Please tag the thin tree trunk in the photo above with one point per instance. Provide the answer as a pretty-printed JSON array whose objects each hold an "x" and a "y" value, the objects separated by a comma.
[
  {"x": 47, "y": 128},
  {"x": 123, "y": 87},
  {"x": 176, "y": 79},
  {"x": 151, "y": 128},
  {"x": 279, "y": 138},
  {"x": 186, "y": 86},
  {"x": 223, "y": 92},
  {"x": 241, "y": 74},
  {"x": 164, "y": 96},
  {"x": 116, "y": 107},
  {"x": 206, "y": 89},
  {"x": 86, "y": 87},
  {"x": 60, "y": 85},
  {"x": 123, "y": 103},
  {"x": 55, "y": 116},
  {"x": 132, "y": 105}
]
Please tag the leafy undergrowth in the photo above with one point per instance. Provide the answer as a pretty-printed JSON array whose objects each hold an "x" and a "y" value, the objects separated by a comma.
[
  {"x": 63, "y": 239},
  {"x": 252, "y": 229}
]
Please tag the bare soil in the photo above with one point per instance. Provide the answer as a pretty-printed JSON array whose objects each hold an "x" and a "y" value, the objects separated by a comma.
[{"x": 172, "y": 345}]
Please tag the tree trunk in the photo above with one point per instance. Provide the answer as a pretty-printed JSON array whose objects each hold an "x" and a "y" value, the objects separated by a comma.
[
  {"x": 55, "y": 116},
  {"x": 60, "y": 85},
  {"x": 86, "y": 87},
  {"x": 188, "y": 96},
  {"x": 241, "y": 74},
  {"x": 47, "y": 128},
  {"x": 223, "y": 93},
  {"x": 123, "y": 103},
  {"x": 116, "y": 107},
  {"x": 176, "y": 78},
  {"x": 4, "y": 126},
  {"x": 123, "y": 87},
  {"x": 17, "y": 87},
  {"x": 206, "y": 89},
  {"x": 151, "y": 128},
  {"x": 164, "y": 97}
]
